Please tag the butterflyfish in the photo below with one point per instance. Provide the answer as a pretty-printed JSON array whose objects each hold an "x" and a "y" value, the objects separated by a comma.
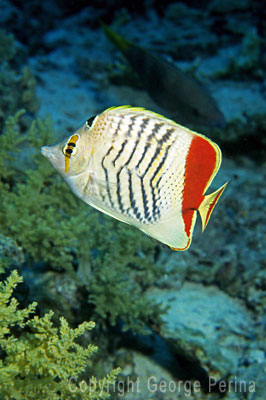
[
  {"x": 181, "y": 97},
  {"x": 142, "y": 169}
]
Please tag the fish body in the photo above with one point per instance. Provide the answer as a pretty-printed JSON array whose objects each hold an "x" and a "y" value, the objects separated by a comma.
[
  {"x": 173, "y": 90},
  {"x": 142, "y": 169}
]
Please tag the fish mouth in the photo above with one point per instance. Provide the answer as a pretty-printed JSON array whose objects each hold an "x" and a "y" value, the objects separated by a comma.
[
  {"x": 46, "y": 152},
  {"x": 54, "y": 157},
  {"x": 49, "y": 153}
]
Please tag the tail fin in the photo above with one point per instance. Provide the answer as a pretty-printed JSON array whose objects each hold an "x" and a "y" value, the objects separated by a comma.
[{"x": 208, "y": 204}]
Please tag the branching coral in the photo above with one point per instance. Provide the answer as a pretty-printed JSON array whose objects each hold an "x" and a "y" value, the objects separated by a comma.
[
  {"x": 32, "y": 199},
  {"x": 39, "y": 360},
  {"x": 7, "y": 46}
]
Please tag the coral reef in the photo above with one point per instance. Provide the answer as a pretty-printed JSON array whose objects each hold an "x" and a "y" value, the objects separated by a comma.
[
  {"x": 204, "y": 336},
  {"x": 246, "y": 64},
  {"x": 10, "y": 253},
  {"x": 17, "y": 85},
  {"x": 7, "y": 46},
  {"x": 39, "y": 360},
  {"x": 244, "y": 136}
]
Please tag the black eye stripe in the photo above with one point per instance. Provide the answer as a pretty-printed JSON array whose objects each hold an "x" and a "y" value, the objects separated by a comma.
[{"x": 71, "y": 144}]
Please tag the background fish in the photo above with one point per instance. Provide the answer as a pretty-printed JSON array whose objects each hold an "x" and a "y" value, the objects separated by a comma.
[
  {"x": 142, "y": 169},
  {"x": 182, "y": 97}
]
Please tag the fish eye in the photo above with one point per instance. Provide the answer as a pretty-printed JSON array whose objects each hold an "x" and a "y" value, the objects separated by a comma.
[
  {"x": 70, "y": 147},
  {"x": 89, "y": 121},
  {"x": 68, "y": 150}
]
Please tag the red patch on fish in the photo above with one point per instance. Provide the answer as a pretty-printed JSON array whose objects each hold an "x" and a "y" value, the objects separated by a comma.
[{"x": 200, "y": 164}]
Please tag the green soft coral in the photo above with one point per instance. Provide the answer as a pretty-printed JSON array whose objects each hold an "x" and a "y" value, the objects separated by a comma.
[
  {"x": 40, "y": 361},
  {"x": 119, "y": 275},
  {"x": 7, "y": 46},
  {"x": 17, "y": 85},
  {"x": 33, "y": 199}
]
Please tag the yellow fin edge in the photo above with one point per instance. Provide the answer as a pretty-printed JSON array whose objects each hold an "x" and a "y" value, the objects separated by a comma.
[{"x": 207, "y": 206}]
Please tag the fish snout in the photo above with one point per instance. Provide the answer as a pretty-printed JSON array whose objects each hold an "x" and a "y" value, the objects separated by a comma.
[
  {"x": 46, "y": 151},
  {"x": 49, "y": 152}
]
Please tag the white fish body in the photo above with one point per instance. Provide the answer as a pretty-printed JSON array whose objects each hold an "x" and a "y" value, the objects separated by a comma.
[{"x": 142, "y": 169}]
